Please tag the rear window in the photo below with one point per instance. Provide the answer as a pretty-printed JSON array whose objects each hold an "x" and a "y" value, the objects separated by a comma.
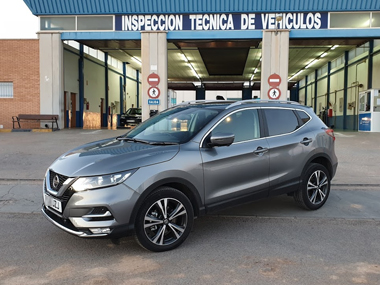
[
  {"x": 303, "y": 116},
  {"x": 281, "y": 121}
]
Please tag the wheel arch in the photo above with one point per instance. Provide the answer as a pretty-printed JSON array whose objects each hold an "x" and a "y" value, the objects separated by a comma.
[
  {"x": 320, "y": 159},
  {"x": 182, "y": 185}
]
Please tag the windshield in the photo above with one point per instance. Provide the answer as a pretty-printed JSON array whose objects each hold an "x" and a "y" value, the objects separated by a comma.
[
  {"x": 175, "y": 125},
  {"x": 133, "y": 111}
]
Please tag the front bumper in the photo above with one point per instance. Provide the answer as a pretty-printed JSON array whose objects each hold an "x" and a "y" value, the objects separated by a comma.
[{"x": 93, "y": 213}]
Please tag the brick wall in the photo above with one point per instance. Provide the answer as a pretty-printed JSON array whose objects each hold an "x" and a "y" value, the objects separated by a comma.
[{"x": 19, "y": 63}]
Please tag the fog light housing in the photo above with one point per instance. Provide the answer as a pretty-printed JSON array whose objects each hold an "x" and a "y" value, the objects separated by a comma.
[{"x": 101, "y": 230}]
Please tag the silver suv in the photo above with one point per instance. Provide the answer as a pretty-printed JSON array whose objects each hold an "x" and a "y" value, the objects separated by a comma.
[{"x": 189, "y": 160}]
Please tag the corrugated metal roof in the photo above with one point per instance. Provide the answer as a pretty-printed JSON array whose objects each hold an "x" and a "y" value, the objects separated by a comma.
[{"x": 114, "y": 7}]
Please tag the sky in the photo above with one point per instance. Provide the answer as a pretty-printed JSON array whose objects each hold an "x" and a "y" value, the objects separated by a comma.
[{"x": 17, "y": 21}]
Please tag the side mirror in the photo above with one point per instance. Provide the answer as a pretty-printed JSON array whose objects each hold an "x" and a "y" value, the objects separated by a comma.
[{"x": 221, "y": 139}]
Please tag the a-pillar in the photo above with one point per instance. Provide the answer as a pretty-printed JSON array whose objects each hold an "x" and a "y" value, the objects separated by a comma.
[
  {"x": 154, "y": 58},
  {"x": 51, "y": 75},
  {"x": 275, "y": 57}
]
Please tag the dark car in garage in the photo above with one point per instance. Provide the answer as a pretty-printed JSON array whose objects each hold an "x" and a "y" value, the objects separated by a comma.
[{"x": 131, "y": 117}]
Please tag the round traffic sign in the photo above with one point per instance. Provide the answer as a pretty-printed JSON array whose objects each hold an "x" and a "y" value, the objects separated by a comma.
[
  {"x": 274, "y": 93},
  {"x": 153, "y": 79},
  {"x": 153, "y": 92},
  {"x": 274, "y": 80}
]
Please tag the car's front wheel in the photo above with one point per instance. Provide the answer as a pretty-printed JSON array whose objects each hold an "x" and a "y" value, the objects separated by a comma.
[
  {"x": 164, "y": 220},
  {"x": 315, "y": 187}
]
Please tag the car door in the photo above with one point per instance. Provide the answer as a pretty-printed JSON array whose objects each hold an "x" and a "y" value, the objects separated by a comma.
[
  {"x": 290, "y": 143},
  {"x": 238, "y": 170}
]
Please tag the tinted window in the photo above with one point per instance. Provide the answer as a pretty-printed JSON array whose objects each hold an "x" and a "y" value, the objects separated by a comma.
[
  {"x": 280, "y": 121},
  {"x": 304, "y": 117},
  {"x": 243, "y": 124}
]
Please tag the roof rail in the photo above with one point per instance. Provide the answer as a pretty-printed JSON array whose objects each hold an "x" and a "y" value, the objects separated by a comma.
[
  {"x": 205, "y": 102},
  {"x": 237, "y": 103}
]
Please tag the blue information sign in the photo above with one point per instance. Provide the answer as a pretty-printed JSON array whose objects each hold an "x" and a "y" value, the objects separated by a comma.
[{"x": 153, "y": 101}]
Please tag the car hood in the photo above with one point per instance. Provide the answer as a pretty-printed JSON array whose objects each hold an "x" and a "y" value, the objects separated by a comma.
[{"x": 111, "y": 156}]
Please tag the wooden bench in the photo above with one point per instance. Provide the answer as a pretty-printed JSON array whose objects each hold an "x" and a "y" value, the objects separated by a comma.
[{"x": 35, "y": 117}]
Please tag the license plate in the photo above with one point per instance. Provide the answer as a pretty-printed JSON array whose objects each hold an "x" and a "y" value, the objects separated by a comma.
[{"x": 53, "y": 203}]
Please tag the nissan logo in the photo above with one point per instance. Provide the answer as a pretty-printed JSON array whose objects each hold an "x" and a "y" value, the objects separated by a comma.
[{"x": 55, "y": 182}]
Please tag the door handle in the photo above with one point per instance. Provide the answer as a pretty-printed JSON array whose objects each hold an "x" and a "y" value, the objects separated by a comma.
[
  {"x": 306, "y": 141},
  {"x": 260, "y": 151}
]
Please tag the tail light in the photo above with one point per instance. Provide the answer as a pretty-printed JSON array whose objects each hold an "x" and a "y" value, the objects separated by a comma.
[{"x": 330, "y": 132}]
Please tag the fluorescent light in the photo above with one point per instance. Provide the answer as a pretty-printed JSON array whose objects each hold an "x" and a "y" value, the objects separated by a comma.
[
  {"x": 253, "y": 75},
  {"x": 298, "y": 73},
  {"x": 192, "y": 68},
  {"x": 184, "y": 57},
  {"x": 334, "y": 47},
  {"x": 324, "y": 54},
  {"x": 311, "y": 63},
  {"x": 255, "y": 70},
  {"x": 136, "y": 59}
]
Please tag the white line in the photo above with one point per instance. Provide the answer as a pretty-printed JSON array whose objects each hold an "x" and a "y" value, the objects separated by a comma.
[{"x": 274, "y": 80}]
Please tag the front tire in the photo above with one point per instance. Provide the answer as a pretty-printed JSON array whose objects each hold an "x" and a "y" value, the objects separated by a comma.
[
  {"x": 315, "y": 187},
  {"x": 164, "y": 220}
]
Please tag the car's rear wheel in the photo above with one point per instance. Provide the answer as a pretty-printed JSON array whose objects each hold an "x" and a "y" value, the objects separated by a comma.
[
  {"x": 315, "y": 187},
  {"x": 164, "y": 220}
]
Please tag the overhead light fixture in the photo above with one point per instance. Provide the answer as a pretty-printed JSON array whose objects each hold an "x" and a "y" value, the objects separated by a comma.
[
  {"x": 298, "y": 73},
  {"x": 246, "y": 84},
  {"x": 311, "y": 63},
  {"x": 192, "y": 68},
  {"x": 253, "y": 75},
  {"x": 255, "y": 70},
  {"x": 334, "y": 47},
  {"x": 184, "y": 57},
  {"x": 324, "y": 54}
]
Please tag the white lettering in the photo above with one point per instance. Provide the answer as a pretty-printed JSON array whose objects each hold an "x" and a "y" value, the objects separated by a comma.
[
  {"x": 223, "y": 20},
  {"x": 272, "y": 21},
  {"x": 154, "y": 22},
  {"x": 134, "y": 23},
  {"x": 317, "y": 20},
  {"x": 251, "y": 22},
  {"x": 127, "y": 23},
  {"x": 179, "y": 22},
  {"x": 192, "y": 19},
  {"x": 161, "y": 22},
  {"x": 206, "y": 22},
  {"x": 141, "y": 22},
  {"x": 264, "y": 20},
  {"x": 244, "y": 21},
  {"x": 296, "y": 21},
  {"x": 230, "y": 24},
  {"x": 288, "y": 23},
  {"x": 171, "y": 22},
  {"x": 148, "y": 22},
  {"x": 303, "y": 25},
  {"x": 199, "y": 23},
  {"x": 310, "y": 20},
  {"x": 214, "y": 22}
]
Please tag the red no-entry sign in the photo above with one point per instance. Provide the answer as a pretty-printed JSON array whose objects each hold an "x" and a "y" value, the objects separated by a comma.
[
  {"x": 274, "y": 80},
  {"x": 153, "y": 79}
]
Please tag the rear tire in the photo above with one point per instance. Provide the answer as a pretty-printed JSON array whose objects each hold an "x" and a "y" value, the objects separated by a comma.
[
  {"x": 164, "y": 220},
  {"x": 315, "y": 187}
]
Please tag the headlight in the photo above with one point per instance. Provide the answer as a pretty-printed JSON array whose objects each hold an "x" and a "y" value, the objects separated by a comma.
[{"x": 88, "y": 183}]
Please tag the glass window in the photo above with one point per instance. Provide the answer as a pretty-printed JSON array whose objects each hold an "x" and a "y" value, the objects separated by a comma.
[
  {"x": 243, "y": 124},
  {"x": 303, "y": 116},
  {"x": 280, "y": 121},
  {"x": 349, "y": 20},
  {"x": 95, "y": 23},
  {"x": 57, "y": 23},
  {"x": 6, "y": 89},
  {"x": 375, "y": 20}
]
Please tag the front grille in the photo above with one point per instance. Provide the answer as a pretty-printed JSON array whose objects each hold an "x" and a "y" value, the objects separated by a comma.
[{"x": 61, "y": 178}]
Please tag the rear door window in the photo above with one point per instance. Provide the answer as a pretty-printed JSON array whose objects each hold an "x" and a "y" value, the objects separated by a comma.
[{"x": 280, "y": 121}]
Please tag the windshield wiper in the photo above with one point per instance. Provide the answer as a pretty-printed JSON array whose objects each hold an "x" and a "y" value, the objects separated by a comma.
[{"x": 132, "y": 140}]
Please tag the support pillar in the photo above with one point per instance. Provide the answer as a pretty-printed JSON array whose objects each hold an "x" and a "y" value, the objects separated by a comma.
[
  {"x": 275, "y": 58},
  {"x": 51, "y": 76},
  {"x": 154, "y": 56}
]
